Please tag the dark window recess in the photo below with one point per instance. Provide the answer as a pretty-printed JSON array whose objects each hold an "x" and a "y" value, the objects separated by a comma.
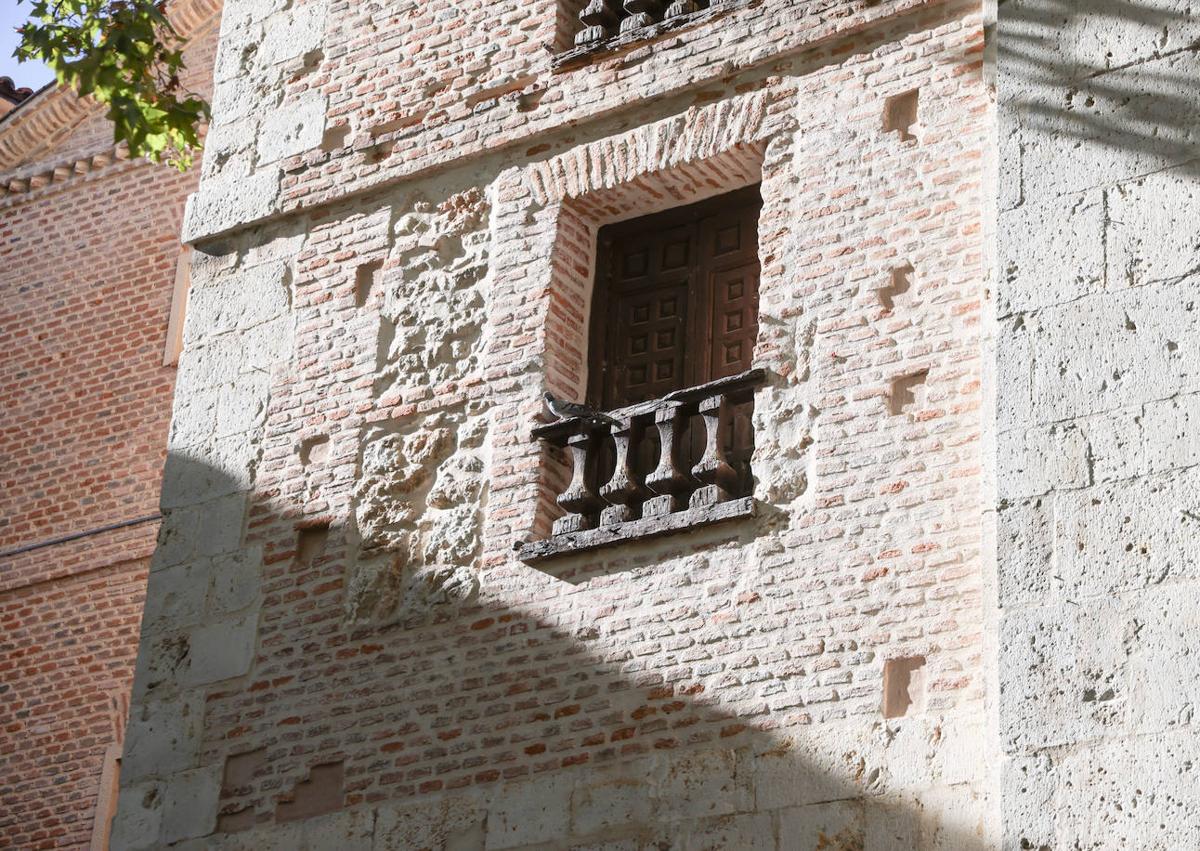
[{"x": 674, "y": 320}]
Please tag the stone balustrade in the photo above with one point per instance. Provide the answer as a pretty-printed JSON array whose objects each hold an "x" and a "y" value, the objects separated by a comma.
[
  {"x": 667, "y": 464},
  {"x": 603, "y": 19}
]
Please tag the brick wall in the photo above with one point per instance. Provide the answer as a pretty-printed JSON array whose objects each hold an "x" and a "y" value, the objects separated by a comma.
[
  {"x": 89, "y": 243},
  {"x": 343, "y": 643}
]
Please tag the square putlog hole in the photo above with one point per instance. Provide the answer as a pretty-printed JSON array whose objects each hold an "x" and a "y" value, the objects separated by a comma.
[
  {"x": 335, "y": 138},
  {"x": 314, "y": 450},
  {"x": 903, "y": 686},
  {"x": 310, "y": 543},
  {"x": 364, "y": 281},
  {"x": 908, "y": 392},
  {"x": 899, "y": 288},
  {"x": 900, "y": 114},
  {"x": 320, "y": 793}
]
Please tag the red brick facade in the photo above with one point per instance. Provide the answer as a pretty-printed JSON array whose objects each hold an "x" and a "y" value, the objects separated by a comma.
[{"x": 89, "y": 244}]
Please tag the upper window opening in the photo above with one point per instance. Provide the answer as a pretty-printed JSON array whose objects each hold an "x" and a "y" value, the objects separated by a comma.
[
  {"x": 671, "y": 346},
  {"x": 675, "y": 302}
]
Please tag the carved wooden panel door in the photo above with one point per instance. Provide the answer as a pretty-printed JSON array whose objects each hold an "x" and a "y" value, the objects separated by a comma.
[
  {"x": 676, "y": 305},
  {"x": 676, "y": 300}
]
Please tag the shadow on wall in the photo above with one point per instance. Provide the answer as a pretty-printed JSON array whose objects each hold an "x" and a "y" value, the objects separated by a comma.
[
  {"x": 625, "y": 711},
  {"x": 1121, "y": 75}
]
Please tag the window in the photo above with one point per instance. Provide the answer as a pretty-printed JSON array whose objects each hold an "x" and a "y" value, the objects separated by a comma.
[
  {"x": 673, "y": 323},
  {"x": 676, "y": 300}
]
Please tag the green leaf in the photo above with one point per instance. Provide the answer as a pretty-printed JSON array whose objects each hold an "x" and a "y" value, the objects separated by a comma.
[{"x": 125, "y": 54}]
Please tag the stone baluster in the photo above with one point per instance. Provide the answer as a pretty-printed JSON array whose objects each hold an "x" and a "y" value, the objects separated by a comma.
[
  {"x": 681, "y": 7},
  {"x": 642, "y": 13},
  {"x": 667, "y": 480},
  {"x": 599, "y": 19},
  {"x": 579, "y": 499},
  {"x": 716, "y": 474},
  {"x": 623, "y": 488}
]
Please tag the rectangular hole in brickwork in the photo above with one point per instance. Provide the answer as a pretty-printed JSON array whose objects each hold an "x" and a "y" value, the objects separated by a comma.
[
  {"x": 320, "y": 793},
  {"x": 335, "y": 138},
  {"x": 380, "y": 152},
  {"x": 903, "y": 686},
  {"x": 900, "y": 114},
  {"x": 236, "y": 821},
  {"x": 237, "y": 780},
  {"x": 314, "y": 450},
  {"x": 310, "y": 543},
  {"x": 383, "y": 344},
  {"x": 899, "y": 289},
  {"x": 312, "y": 60},
  {"x": 364, "y": 281},
  {"x": 908, "y": 392}
]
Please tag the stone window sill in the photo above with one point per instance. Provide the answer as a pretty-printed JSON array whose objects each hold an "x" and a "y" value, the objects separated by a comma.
[{"x": 646, "y": 528}]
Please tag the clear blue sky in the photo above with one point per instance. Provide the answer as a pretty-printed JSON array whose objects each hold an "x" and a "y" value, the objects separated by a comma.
[{"x": 29, "y": 74}]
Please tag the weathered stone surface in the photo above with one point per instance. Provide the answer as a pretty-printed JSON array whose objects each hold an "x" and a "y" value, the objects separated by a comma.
[
  {"x": 163, "y": 737},
  {"x": 455, "y": 823},
  {"x": 292, "y": 128},
  {"x": 1129, "y": 790},
  {"x": 1092, "y": 355},
  {"x": 1065, "y": 681},
  {"x": 353, "y": 830},
  {"x": 1148, "y": 238},
  {"x": 138, "y": 821},
  {"x": 236, "y": 581},
  {"x": 418, "y": 516},
  {"x": 182, "y": 604},
  {"x": 190, "y": 804},
  {"x": 1063, "y": 241},
  {"x": 1025, "y": 551},
  {"x": 1141, "y": 441},
  {"x": 221, "y": 649},
  {"x": 535, "y": 810},
  {"x": 218, "y": 207},
  {"x": 1128, "y": 535},
  {"x": 1038, "y": 460},
  {"x": 1105, "y": 129}
]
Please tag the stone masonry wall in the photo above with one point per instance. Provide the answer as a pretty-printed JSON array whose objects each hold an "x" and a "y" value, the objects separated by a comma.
[
  {"x": 340, "y": 648},
  {"x": 1098, "y": 402}
]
